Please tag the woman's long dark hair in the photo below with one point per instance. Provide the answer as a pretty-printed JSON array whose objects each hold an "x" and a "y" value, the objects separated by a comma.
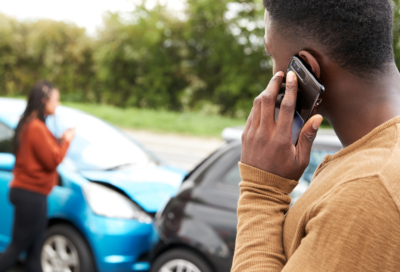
[{"x": 34, "y": 109}]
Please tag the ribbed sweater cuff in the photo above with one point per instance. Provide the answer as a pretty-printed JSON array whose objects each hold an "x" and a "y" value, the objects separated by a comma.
[{"x": 260, "y": 177}]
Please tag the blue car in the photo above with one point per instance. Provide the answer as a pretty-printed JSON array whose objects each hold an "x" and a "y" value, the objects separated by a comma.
[{"x": 101, "y": 213}]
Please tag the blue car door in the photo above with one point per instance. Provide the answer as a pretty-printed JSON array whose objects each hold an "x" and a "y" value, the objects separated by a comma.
[{"x": 7, "y": 161}]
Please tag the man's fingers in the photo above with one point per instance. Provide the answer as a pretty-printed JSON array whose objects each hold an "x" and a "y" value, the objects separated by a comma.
[
  {"x": 306, "y": 138},
  {"x": 248, "y": 123},
  {"x": 247, "y": 127},
  {"x": 255, "y": 113},
  {"x": 263, "y": 112},
  {"x": 268, "y": 98},
  {"x": 288, "y": 105}
]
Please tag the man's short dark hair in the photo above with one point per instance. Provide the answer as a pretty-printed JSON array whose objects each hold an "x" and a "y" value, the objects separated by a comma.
[{"x": 357, "y": 34}]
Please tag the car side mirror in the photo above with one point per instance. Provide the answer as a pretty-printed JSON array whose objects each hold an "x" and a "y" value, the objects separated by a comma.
[{"x": 7, "y": 161}]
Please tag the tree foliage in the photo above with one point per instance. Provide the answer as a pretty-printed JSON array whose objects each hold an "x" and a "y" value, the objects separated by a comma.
[
  {"x": 211, "y": 61},
  {"x": 56, "y": 51}
]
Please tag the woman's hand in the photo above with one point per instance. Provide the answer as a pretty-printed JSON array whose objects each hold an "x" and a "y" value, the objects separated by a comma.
[
  {"x": 68, "y": 135},
  {"x": 267, "y": 144}
]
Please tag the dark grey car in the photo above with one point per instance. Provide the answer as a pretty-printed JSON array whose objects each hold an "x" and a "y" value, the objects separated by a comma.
[{"x": 197, "y": 228}]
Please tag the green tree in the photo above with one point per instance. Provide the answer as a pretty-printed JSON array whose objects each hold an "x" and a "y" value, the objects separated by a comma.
[
  {"x": 139, "y": 63},
  {"x": 45, "y": 49},
  {"x": 396, "y": 31},
  {"x": 225, "y": 42},
  {"x": 63, "y": 54},
  {"x": 13, "y": 57},
  {"x": 211, "y": 61}
]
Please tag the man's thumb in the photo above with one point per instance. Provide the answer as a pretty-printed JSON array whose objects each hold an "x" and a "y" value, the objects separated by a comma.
[{"x": 308, "y": 134}]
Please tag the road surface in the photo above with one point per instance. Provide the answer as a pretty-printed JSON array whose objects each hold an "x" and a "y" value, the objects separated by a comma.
[{"x": 181, "y": 151}]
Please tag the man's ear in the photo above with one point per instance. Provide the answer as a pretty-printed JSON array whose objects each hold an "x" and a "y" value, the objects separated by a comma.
[{"x": 305, "y": 55}]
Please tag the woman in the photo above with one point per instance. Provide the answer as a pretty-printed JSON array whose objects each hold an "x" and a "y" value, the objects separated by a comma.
[{"x": 38, "y": 153}]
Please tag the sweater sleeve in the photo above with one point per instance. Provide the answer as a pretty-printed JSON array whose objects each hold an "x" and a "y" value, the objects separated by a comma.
[
  {"x": 45, "y": 148},
  {"x": 355, "y": 221},
  {"x": 263, "y": 202}
]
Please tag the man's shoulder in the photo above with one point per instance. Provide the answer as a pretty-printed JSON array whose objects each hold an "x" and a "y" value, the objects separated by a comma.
[
  {"x": 387, "y": 159},
  {"x": 389, "y": 174},
  {"x": 370, "y": 168},
  {"x": 376, "y": 182},
  {"x": 366, "y": 158},
  {"x": 368, "y": 195}
]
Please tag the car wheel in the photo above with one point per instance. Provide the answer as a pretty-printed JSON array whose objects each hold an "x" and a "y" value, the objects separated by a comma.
[
  {"x": 180, "y": 260},
  {"x": 64, "y": 249}
]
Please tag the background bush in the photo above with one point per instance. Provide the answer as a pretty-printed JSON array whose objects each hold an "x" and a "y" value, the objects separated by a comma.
[{"x": 210, "y": 62}]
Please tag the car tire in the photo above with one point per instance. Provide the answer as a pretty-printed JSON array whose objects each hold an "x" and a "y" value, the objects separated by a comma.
[
  {"x": 63, "y": 247},
  {"x": 170, "y": 260}
]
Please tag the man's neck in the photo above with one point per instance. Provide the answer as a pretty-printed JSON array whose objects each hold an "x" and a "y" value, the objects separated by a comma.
[{"x": 360, "y": 106}]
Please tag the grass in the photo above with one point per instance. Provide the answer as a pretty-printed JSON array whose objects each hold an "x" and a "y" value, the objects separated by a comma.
[{"x": 187, "y": 123}]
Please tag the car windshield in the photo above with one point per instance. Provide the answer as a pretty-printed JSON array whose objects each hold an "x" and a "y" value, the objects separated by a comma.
[{"x": 97, "y": 145}]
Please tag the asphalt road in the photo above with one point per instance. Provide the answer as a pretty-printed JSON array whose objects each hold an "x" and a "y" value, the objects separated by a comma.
[{"x": 181, "y": 151}]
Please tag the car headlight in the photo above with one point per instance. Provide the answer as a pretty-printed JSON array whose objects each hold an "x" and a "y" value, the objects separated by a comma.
[{"x": 110, "y": 203}]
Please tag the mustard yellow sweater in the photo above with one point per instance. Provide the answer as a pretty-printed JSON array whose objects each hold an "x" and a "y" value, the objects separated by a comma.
[{"x": 348, "y": 219}]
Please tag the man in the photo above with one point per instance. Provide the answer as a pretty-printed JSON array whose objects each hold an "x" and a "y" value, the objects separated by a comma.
[{"x": 348, "y": 219}]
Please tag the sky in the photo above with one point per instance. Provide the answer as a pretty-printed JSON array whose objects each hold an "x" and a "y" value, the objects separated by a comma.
[{"x": 85, "y": 13}]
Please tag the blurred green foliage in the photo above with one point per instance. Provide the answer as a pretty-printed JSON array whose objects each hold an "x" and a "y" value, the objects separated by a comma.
[
  {"x": 210, "y": 61},
  {"x": 160, "y": 121},
  {"x": 396, "y": 31},
  {"x": 59, "y": 52}
]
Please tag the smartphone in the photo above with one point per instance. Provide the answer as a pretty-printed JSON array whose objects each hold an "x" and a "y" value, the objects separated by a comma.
[{"x": 309, "y": 95}]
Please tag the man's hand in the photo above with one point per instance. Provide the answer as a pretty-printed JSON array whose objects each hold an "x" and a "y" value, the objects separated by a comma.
[{"x": 267, "y": 144}]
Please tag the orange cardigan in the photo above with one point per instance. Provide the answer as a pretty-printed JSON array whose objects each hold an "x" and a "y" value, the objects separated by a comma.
[{"x": 37, "y": 158}]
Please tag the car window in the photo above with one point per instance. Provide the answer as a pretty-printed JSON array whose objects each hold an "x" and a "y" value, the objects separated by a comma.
[
  {"x": 97, "y": 145},
  {"x": 316, "y": 158},
  {"x": 233, "y": 176},
  {"x": 218, "y": 168},
  {"x": 6, "y": 139},
  {"x": 194, "y": 170}
]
